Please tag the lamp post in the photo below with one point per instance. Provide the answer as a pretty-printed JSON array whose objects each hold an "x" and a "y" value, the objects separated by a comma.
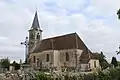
[{"x": 25, "y": 43}]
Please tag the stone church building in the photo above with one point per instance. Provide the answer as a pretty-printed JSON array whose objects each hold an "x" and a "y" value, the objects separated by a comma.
[{"x": 65, "y": 51}]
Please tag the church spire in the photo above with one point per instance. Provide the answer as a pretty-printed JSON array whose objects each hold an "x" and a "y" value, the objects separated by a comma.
[
  {"x": 35, "y": 24},
  {"x": 35, "y": 33}
]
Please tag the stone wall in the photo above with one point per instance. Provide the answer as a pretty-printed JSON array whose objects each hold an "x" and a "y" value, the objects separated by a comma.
[
  {"x": 84, "y": 67},
  {"x": 72, "y": 57},
  {"x": 57, "y": 58},
  {"x": 92, "y": 65}
]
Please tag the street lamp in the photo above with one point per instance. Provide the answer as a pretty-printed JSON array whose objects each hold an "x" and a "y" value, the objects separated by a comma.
[{"x": 25, "y": 43}]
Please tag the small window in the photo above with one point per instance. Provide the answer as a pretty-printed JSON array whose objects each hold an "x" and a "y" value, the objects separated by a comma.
[
  {"x": 38, "y": 36},
  {"x": 47, "y": 58},
  {"x": 34, "y": 59},
  {"x": 95, "y": 64},
  {"x": 67, "y": 57},
  {"x": 32, "y": 35}
]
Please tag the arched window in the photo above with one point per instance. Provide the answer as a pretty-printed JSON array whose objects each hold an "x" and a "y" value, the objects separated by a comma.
[
  {"x": 95, "y": 64},
  {"x": 67, "y": 57},
  {"x": 47, "y": 58},
  {"x": 32, "y": 35},
  {"x": 38, "y": 36},
  {"x": 34, "y": 59}
]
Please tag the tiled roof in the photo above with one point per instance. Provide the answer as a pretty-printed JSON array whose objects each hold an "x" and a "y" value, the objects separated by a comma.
[
  {"x": 68, "y": 41},
  {"x": 86, "y": 56},
  {"x": 35, "y": 24}
]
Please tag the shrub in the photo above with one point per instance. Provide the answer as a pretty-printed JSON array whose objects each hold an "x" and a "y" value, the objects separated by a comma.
[{"x": 111, "y": 74}]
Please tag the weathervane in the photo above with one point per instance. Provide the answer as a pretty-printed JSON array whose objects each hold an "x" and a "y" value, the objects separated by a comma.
[
  {"x": 118, "y": 52},
  {"x": 26, "y": 48}
]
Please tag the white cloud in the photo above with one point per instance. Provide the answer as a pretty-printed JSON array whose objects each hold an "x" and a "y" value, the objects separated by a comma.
[
  {"x": 98, "y": 33},
  {"x": 105, "y": 7},
  {"x": 2, "y": 38}
]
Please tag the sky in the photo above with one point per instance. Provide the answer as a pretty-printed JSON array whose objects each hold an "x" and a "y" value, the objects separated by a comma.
[{"x": 95, "y": 21}]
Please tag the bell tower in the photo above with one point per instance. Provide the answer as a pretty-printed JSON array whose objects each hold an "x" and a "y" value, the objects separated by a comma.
[{"x": 35, "y": 33}]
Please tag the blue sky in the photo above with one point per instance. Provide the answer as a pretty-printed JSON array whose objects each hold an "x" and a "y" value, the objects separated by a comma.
[{"x": 95, "y": 21}]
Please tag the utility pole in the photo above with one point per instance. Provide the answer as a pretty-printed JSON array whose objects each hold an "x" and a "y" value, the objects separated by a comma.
[{"x": 25, "y": 43}]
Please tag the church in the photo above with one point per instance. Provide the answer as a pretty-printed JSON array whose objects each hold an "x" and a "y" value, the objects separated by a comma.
[{"x": 64, "y": 51}]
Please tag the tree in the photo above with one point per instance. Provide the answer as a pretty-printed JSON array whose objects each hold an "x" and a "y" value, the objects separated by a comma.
[
  {"x": 114, "y": 62},
  {"x": 103, "y": 62},
  {"x": 5, "y": 63},
  {"x": 15, "y": 65}
]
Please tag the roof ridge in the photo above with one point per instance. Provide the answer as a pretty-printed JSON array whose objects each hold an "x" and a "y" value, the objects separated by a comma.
[{"x": 60, "y": 36}]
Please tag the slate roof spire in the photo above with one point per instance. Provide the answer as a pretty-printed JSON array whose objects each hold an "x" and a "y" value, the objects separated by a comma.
[{"x": 35, "y": 24}]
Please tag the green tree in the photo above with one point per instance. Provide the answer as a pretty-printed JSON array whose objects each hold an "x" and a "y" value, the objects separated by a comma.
[
  {"x": 15, "y": 65},
  {"x": 5, "y": 63},
  {"x": 102, "y": 59},
  {"x": 114, "y": 62}
]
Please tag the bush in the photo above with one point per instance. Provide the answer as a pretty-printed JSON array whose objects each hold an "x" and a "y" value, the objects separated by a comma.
[
  {"x": 5, "y": 63},
  {"x": 111, "y": 74}
]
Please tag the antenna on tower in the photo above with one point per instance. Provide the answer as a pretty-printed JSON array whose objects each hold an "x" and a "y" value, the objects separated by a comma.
[
  {"x": 36, "y": 7},
  {"x": 37, "y": 4}
]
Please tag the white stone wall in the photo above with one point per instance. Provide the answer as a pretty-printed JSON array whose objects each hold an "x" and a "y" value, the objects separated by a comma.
[
  {"x": 72, "y": 58},
  {"x": 84, "y": 67},
  {"x": 58, "y": 58},
  {"x": 92, "y": 66},
  {"x": 53, "y": 57}
]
